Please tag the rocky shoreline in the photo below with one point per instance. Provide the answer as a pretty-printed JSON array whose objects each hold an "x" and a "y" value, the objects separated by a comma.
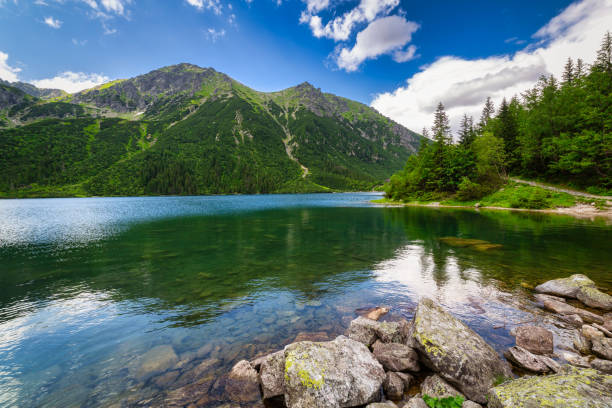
[{"x": 435, "y": 360}]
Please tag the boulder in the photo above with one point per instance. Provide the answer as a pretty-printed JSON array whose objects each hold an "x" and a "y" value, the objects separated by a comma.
[
  {"x": 367, "y": 331},
  {"x": 396, "y": 356},
  {"x": 393, "y": 385},
  {"x": 591, "y": 332},
  {"x": 572, "y": 319},
  {"x": 416, "y": 402},
  {"x": 528, "y": 361},
  {"x": 456, "y": 352},
  {"x": 540, "y": 297},
  {"x": 566, "y": 309},
  {"x": 434, "y": 386},
  {"x": 576, "y": 360},
  {"x": 406, "y": 378},
  {"x": 593, "y": 297},
  {"x": 272, "y": 374},
  {"x": 605, "y": 366},
  {"x": 607, "y": 321},
  {"x": 470, "y": 404},
  {"x": 387, "y": 404},
  {"x": 602, "y": 347},
  {"x": 566, "y": 287},
  {"x": 338, "y": 373},
  {"x": 156, "y": 360},
  {"x": 602, "y": 329},
  {"x": 242, "y": 383},
  {"x": 582, "y": 344},
  {"x": 535, "y": 339},
  {"x": 571, "y": 387}
]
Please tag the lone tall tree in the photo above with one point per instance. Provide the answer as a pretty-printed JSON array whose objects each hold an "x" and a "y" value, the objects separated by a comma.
[
  {"x": 441, "y": 127},
  {"x": 487, "y": 113}
]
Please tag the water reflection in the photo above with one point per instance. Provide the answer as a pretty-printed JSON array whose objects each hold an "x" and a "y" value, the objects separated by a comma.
[{"x": 77, "y": 318}]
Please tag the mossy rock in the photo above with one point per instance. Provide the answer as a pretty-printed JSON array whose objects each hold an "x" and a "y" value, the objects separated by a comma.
[
  {"x": 572, "y": 387},
  {"x": 478, "y": 244}
]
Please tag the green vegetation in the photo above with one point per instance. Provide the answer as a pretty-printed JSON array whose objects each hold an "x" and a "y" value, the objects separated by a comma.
[
  {"x": 448, "y": 402},
  {"x": 558, "y": 132},
  {"x": 168, "y": 136}
]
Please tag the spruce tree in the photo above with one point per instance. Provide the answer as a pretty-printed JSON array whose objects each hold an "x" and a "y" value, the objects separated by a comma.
[
  {"x": 604, "y": 55},
  {"x": 568, "y": 72},
  {"x": 466, "y": 131},
  {"x": 487, "y": 113},
  {"x": 507, "y": 130},
  {"x": 441, "y": 127}
]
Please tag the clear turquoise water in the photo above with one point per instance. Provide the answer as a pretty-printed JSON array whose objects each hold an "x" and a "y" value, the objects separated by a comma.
[{"x": 87, "y": 286}]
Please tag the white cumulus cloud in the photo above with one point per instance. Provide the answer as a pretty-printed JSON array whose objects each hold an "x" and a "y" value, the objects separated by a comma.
[
  {"x": 214, "y": 5},
  {"x": 52, "y": 22},
  {"x": 463, "y": 85},
  {"x": 7, "y": 72},
  {"x": 214, "y": 34},
  {"x": 382, "y": 36},
  {"x": 341, "y": 27},
  {"x": 71, "y": 81}
]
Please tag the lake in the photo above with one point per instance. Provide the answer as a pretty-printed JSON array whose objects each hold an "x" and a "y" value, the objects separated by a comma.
[{"x": 89, "y": 286}]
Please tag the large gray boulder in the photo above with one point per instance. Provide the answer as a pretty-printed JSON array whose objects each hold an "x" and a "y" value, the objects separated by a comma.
[
  {"x": 396, "y": 356},
  {"x": 367, "y": 331},
  {"x": 593, "y": 297},
  {"x": 566, "y": 287},
  {"x": 393, "y": 385},
  {"x": 338, "y": 373},
  {"x": 570, "y": 388},
  {"x": 272, "y": 374},
  {"x": 434, "y": 386},
  {"x": 455, "y": 351},
  {"x": 605, "y": 366},
  {"x": 535, "y": 339}
]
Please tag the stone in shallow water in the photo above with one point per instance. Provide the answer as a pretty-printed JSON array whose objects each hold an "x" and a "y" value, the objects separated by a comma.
[
  {"x": 272, "y": 374},
  {"x": 396, "y": 356},
  {"x": 338, "y": 373},
  {"x": 311, "y": 336},
  {"x": 591, "y": 332},
  {"x": 373, "y": 313},
  {"x": 566, "y": 287},
  {"x": 605, "y": 366},
  {"x": 524, "y": 359},
  {"x": 593, "y": 297},
  {"x": 243, "y": 383},
  {"x": 602, "y": 347},
  {"x": 366, "y": 331},
  {"x": 566, "y": 309},
  {"x": 156, "y": 360},
  {"x": 535, "y": 339},
  {"x": 570, "y": 388},
  {"x": 581, "y": 343},
  {"x": 462, "y": 242},
  {"x": 456, "y": 352}
]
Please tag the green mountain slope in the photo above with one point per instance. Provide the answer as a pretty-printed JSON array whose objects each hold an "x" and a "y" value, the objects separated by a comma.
[{"x": 189, "y": 130}]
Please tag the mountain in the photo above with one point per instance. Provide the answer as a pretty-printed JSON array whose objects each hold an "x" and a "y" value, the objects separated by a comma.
[
  {"x": 43, "y": 93},
  {"x": 183, "y": 129}
]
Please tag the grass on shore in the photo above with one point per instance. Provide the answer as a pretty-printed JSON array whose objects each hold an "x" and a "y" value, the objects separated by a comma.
[{"x": 510, "y": 195}]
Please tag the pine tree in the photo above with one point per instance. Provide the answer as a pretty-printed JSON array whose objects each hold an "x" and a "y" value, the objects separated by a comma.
[
  {"x": 604, "y": 55},
  {"x": 487, "y": 113},
  {"x": 579, "y": 69},
  {"x": 466, "y": 132},
  {"x": 425, "y": 132},
  {"x": 568, "y": 72},
  {"x": 507, "y": 130},
  {"x": 441, "y": 127}
]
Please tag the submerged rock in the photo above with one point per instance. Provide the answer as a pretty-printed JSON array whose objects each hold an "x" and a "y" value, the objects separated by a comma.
[
  {"x": 478, "y": 244},
  {"x": 528, "y": 361},
  {"x": 455, "y": 351},
  {"x": 367, "y": 331},
  {"x": 338, "y": 373},
  {"x": 272, "y": 374},
  {"x": 593, "y": 297},
  {"x": 373, "y": 313},
  {"x": 311, "y": 336},
  {"x": 396, "y": 356},
  {"x": 566, "y": 287},
  {"x": 571, "y": 387},
  {"x": 434, "y": 386},
  {"x": 243, "y": 383},
  {"x": 535, "y": 339},
  {"x": 156, "y": 360},
  {"x": 566, "y": 309}
]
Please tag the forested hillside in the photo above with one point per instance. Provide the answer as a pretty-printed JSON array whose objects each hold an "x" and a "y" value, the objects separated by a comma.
[
  {"x": 560, "y": 131},
  {"x": 189, "y": 130}
]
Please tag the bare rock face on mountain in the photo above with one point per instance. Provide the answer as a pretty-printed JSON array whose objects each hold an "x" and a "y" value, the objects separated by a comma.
[
  {"x": 338, "y": 373},
  {"x": 571, "y": 387},
  {"x": 455, "y": 352}
]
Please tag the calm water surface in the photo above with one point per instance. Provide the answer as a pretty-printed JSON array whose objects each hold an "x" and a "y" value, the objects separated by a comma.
[{"x": 88, "y": 286}]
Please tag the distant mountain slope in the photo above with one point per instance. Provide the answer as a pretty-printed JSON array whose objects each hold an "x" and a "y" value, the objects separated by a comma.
[
  {"x": 43, "y": 93},
  {"x": 183, "y": 129}
]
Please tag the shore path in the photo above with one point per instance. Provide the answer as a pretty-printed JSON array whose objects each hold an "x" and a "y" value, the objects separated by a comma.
[{"x": 560, "y": 190}]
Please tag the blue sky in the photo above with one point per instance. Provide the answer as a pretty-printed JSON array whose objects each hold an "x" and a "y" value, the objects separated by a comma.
[{"x": 368, "y": 50}]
